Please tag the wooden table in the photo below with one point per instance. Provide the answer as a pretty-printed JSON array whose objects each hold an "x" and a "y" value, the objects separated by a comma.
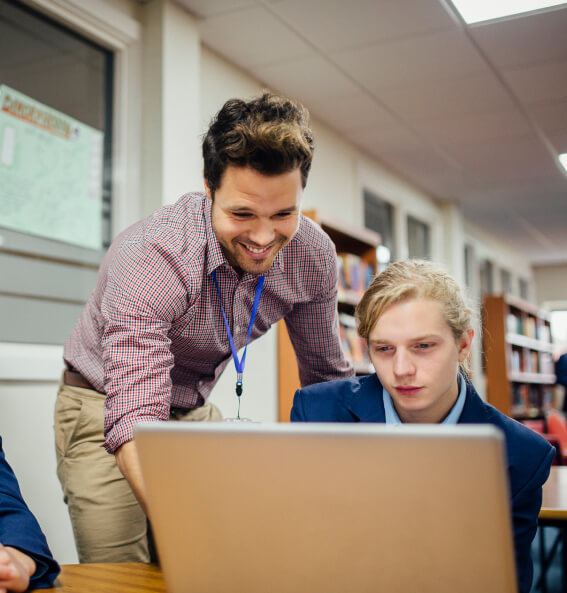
[
  {"x": 554, "y": 505},
  {"x": 108, "y": 578},
  {"x": 554, "y": 513}
]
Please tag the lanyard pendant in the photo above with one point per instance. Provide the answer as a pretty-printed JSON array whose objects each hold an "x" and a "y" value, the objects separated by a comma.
[{"x": 238, "y": 384}]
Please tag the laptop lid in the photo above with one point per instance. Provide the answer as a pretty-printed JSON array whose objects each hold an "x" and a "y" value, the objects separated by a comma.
[{"x": 328, "y": 508}]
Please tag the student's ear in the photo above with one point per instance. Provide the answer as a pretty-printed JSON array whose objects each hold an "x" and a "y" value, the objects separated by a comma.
[{"x": 465, "y": 343}]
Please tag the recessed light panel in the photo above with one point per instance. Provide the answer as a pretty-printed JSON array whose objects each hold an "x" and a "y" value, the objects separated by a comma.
[{"x": 474, "y": 11}]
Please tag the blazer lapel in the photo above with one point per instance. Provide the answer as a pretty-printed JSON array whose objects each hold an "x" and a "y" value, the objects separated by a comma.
[
  {"x": 365, "y": 401},
  {"x": 474, "y": 411}
]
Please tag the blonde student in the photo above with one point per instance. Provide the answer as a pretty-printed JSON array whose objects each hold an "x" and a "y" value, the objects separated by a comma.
[{"x": 419, "y": 333}]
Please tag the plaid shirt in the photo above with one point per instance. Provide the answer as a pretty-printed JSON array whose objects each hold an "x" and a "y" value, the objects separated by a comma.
[{"x": 152, "y": 335}]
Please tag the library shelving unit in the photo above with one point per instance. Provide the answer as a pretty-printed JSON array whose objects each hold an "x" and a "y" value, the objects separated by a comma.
[
  {"x": 518, "y": 354},
  {"x": 356, "y": 250}
]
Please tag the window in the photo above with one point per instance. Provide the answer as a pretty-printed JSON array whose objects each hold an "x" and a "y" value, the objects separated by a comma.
[
  {"x": 524, "y": 289},
  {"x": 470, "y": 261},
  {"x": 419, "y": 243},
  {"x": 486, "y": 277},
  {"x": 559, "y": 326},
  {"x": 56, "y": 91},
  {"x": 505, "y": 281},
  {"x": 379, "y": 217}
]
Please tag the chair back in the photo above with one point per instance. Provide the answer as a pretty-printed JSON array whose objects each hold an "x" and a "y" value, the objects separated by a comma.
[
  {"x": 538, "y": 425},
  {"x": 557, "y": 426}
]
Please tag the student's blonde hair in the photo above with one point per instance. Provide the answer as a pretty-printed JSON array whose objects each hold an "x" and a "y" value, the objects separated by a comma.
[{"x": 415, "y": 279}]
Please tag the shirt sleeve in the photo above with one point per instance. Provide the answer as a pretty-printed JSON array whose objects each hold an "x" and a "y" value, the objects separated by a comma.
[
  {"x": 313, "y": 328},
  {"x": 20, "y": 529},
  {"x": 145, "y": 293}
]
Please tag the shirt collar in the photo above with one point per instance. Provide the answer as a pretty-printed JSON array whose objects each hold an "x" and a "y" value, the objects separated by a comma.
[
  {"x": 215, "y": 255},
  {"x": 391, "y": 416}
]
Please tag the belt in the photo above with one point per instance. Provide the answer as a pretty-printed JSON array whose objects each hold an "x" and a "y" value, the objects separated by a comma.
[{"x": 75, "y": 379}]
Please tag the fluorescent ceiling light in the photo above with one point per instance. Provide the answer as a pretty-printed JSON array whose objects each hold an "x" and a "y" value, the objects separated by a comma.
[
  {"x": 563, "y": 160},
  {"x": 474, "y": 11}
]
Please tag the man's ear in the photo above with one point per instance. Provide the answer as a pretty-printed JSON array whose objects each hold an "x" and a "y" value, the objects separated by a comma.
[
  {"x": 208, "y": 190},
  {"x": 465, "y": 343}
]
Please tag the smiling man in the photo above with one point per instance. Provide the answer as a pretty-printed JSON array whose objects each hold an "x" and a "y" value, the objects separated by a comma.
[{"x": 154, "y": 337}]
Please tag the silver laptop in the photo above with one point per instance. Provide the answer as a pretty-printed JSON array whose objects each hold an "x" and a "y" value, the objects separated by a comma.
[{"x": 328, "y": 508}]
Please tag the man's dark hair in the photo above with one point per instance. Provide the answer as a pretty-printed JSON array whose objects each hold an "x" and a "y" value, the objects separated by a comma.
[{"x": 269, "y": 133}]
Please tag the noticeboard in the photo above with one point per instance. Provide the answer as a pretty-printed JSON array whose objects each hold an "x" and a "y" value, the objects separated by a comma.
[{"x": 50, "y": 172}]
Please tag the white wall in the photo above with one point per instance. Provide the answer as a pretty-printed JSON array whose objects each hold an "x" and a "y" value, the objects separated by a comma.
[
  {"x": 488, "y": 246},
  {"x": 26, "y": 426},
  {"x": 170, "y": 99},
  {"x": 218, "y": 82},
  {"x": 550, "y": 283}
]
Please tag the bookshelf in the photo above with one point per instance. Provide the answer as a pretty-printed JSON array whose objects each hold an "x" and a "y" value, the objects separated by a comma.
[
  {"x": 518, "y": 353},
  {"x": 356, "y": 251}
]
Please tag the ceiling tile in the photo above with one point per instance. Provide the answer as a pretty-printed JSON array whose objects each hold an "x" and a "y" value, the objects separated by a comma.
[
  {"x": 512, "y": 161},
  {"x": 430, "y": 172},
  {"x": 336, "y": 24},
  {"x": 448, "y": 99},
  {"x": 252, "y": 37},
  {"x": 474, "y": 128},
  {"x": 546, "y": 81},
  {"x": 394, "y": 138},
  {"x": 427, "y": 59},
  {"x": 550, "y": 116},
  {"x": 559, "y": 141},
  {"x": 353, "y": 112},
  {"x": 405, "y": 83},
  {"x": 524, "y": 40},
  {"x": 311, "y": 79},
  {"x": 206, "y": 8},
  {"x": 546, "y": 218}
]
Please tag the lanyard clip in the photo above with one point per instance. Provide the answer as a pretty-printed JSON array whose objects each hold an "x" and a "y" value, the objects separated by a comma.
[{"x": 238, "y": 384}]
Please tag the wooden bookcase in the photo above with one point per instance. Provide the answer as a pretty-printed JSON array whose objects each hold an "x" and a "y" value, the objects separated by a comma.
[
  {"x": 351, "y": 242},
  {"x": 518, "y": 357}
]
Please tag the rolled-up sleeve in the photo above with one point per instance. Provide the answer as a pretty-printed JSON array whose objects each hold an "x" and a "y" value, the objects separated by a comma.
[{"x": 138, "y": 313}]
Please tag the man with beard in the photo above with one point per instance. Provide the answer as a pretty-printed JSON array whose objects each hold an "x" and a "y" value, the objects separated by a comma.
[{"x": 177, "y": 294}]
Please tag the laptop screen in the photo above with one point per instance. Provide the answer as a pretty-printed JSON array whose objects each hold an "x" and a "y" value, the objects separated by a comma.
[{"x": 328, "y": 507}]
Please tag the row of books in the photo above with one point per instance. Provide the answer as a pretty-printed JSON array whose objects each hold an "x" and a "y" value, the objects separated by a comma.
[
  {"x": 530, "y": 361},
  {"x": 354, "y": 274},
  {"x": 528, "y": 326},
  {"x": 352, "y": 344},
  {"x": 529, "y": 399}
]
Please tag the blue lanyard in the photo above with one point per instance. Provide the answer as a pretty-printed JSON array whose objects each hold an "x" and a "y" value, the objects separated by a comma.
[{"x": 239, "y": 364}]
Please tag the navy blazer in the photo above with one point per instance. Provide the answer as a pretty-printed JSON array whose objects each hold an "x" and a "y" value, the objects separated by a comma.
[
  {"x": 530, "y": 456},
  {"x": 20, "y": 529}
]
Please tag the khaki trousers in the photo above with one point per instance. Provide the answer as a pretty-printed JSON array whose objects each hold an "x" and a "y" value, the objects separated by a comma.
[{"x": 108, "y": 523}]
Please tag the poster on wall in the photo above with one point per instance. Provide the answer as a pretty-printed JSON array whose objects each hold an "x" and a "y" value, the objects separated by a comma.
[{"x": 50, "y": 172}]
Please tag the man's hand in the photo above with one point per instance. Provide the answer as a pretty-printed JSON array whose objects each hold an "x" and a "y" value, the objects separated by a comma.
[
  {"x": 129, "y": 464},
  {"x": 16, "y": 568}
]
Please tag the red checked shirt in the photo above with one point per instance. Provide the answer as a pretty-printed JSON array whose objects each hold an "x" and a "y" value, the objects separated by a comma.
[{"x": 152, "y": 335}]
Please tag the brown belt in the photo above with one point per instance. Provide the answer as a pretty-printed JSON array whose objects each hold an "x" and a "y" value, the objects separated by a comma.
[{"x": 75, "y": 379}]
